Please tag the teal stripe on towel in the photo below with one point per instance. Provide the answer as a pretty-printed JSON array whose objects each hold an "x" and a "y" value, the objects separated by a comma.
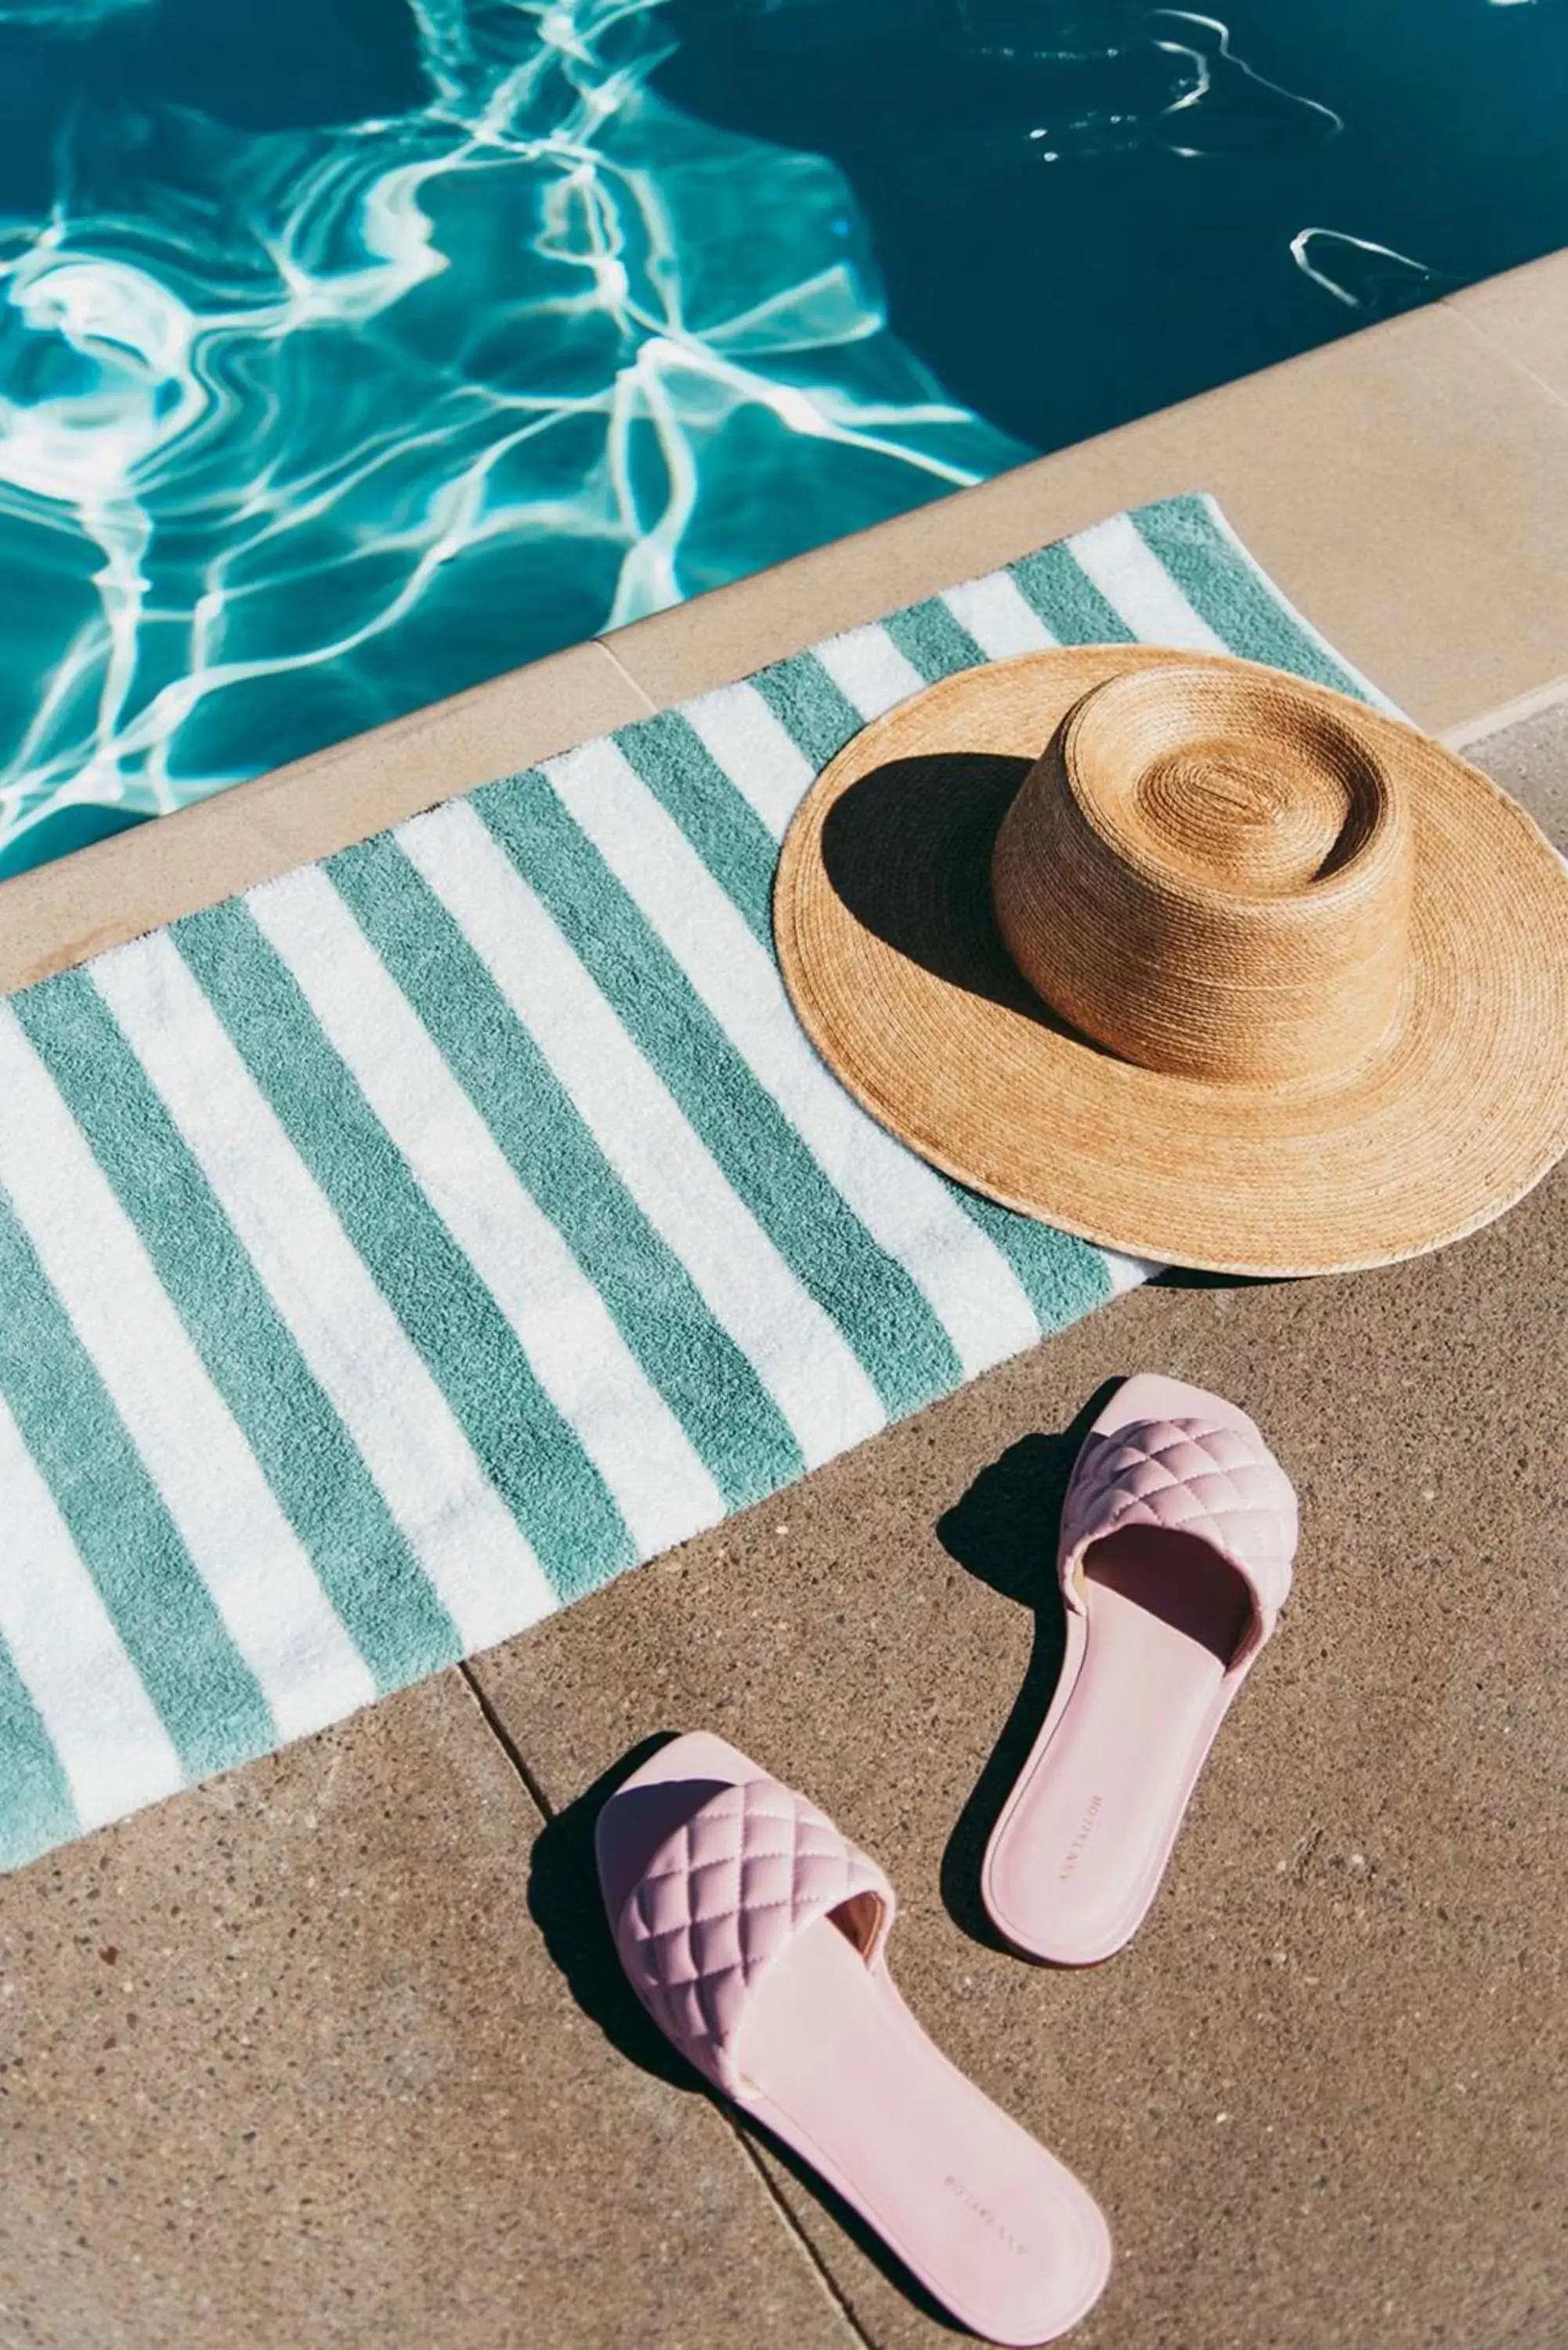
[
  {"x": 696, "y": 1365},
  {"x": 380, "y": 1592},
  {"x": 36, "y": 1806},
  {"x": 206, "y": 1695},
  {"x": 1222, "y": 587},
  {"x": 526, "y": 1448},
  {"x": 932, "y": 640},
  {"x": 729, "y": 836},
  {"x": 900, "y": 1344},
  {"x": 1064, "y": 595},
  {"x": 809, "y": 706}
]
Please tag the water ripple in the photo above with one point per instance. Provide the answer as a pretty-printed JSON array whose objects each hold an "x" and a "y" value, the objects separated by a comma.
[
  {"x": 1230, "y": 106},
  {"x": 67, "y": 16},
  {"x": 299, "y": 429},
  {"x": 1363, "y": 275}
]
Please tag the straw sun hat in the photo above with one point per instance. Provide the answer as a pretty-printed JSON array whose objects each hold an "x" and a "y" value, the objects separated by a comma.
[{"x": 1186, "y": 957}]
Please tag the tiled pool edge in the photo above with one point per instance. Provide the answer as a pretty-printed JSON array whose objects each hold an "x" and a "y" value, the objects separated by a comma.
[{"x": 1399, "y": 484}]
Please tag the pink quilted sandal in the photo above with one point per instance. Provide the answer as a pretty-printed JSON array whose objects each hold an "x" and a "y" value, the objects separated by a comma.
[
  {"x": 1178, "y": 1534},
  {"x": 753, "y": 1932}
]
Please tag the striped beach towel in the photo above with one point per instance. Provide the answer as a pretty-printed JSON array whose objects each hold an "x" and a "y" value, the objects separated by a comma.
[{"x": 394, "y": 1254}]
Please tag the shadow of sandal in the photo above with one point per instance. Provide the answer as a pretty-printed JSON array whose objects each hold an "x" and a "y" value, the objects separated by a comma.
[
  {"x": 565, "y": 1903},
  {"x": 1004, "y": 1532}
]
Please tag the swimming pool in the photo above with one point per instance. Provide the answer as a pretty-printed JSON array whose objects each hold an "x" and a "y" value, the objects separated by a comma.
[{"x": 354, "y": 351}]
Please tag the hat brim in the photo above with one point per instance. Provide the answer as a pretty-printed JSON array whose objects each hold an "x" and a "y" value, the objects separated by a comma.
[{"x": 891, "y": 956}]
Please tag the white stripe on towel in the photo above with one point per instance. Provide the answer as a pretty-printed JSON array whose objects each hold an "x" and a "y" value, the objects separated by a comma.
[
  {"x": 964, "y": 1278},
  {"x": 104, "y": 1727},
  {"x": 244, "y": 1549},
  {"x": 868, "y": 668},
  {"x": 1128, "y": 1272},
  {"x": 998, "y": 616},
  {"x": 464, "y": 1537},
  {"x": 661, "y": 1486},
  {"x": 755, "y": 750},
  {"x": 1130, "y": 575},
  {"x": 795, "y": 1348}
]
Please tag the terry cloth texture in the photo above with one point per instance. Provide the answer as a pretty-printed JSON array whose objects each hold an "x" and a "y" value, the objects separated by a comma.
[{"x": 396, "y": 1253}]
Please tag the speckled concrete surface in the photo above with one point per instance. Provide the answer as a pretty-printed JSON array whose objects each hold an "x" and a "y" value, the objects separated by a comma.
[
  {"x": 288, "y": 2063},
  {"x": 1529, "y": 758},
  {"x": 1525, "y": 312}
]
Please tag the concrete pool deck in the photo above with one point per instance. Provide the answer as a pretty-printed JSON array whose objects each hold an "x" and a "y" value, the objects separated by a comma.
[{"x": 332, "y": 2051}]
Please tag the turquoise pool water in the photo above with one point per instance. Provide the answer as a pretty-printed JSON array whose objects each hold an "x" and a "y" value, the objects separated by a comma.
[{"x": 354, "y": 351}]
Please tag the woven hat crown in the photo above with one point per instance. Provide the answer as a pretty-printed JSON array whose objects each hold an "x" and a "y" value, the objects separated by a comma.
[{"x": 1210, "y": 874}]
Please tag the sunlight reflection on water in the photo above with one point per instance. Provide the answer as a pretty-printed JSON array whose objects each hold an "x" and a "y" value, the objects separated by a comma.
[{"x": 299, "y": 429}]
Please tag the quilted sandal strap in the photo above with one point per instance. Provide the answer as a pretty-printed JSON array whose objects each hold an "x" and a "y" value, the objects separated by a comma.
[
  {"x": 1193, "y": 1477},
  {"x": 723, "y": 1896}
]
